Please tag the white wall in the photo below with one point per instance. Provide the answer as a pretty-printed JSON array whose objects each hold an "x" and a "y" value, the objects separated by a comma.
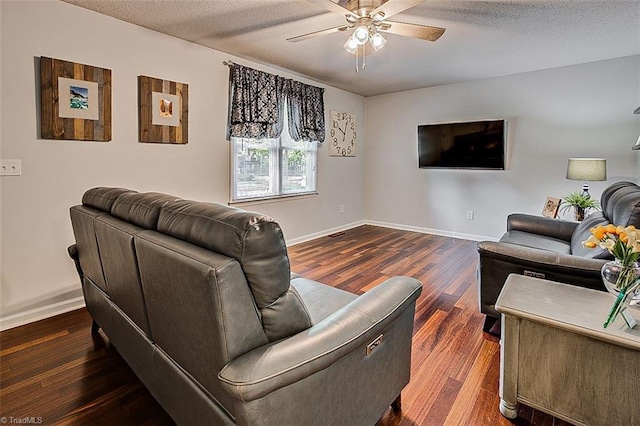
[
  {"x": 35, "y": 270},
  {"x": 578, "y": 111},
  {"x": 583, "y": 110}
]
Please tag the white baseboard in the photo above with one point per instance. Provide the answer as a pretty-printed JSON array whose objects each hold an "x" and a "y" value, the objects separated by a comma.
[
  {"x": 42, "y": 312},
  {"x": 431, "y": 231},
  {"x": 309, "y": 237},
  {"x": 402, "y": 227},
  {"x": 47, "y": 311}
]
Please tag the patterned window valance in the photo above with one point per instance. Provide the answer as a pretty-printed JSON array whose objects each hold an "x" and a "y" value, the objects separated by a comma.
[
  {"x": 306, "y": 111},
  {"x": 257, "y": 106},
  {"x": 256, "y": 103}
]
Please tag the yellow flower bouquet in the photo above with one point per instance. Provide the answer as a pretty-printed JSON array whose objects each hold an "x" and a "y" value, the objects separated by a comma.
[{"x": 622, "y": 276}]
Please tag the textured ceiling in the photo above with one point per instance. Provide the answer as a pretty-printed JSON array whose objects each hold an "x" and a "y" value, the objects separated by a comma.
[{"x": 484, "y": 38}]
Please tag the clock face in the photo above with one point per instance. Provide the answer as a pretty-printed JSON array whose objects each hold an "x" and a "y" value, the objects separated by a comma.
[{"x": 342, "y": 134}]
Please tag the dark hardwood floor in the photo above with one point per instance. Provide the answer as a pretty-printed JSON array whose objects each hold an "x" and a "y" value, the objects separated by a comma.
[{"x": 55, "y": 372}]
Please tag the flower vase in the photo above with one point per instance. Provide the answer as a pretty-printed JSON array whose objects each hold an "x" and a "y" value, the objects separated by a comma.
[
  {"x": 623, "y": 282},
  {"x": 578, "y": 213}
]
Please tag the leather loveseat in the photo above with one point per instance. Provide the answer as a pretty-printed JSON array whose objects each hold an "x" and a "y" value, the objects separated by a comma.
[
  {"x": 199, "y": 300},
  {"x": 552, "y": 249}
]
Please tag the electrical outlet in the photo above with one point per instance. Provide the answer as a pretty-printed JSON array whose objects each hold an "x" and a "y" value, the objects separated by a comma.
[
  {"x": 341, "y": 208},
  {"x": 469, "y": 214},
  {"x": 10, "y": 168}
]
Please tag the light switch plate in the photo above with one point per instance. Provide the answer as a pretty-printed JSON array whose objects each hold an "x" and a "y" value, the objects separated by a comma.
[{"x": 10, "y": 167}]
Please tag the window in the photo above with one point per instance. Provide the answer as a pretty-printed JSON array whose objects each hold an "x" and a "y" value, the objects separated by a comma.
[
  {"x": 272, "y": 168},
  {"x": 274, "y": 126}
]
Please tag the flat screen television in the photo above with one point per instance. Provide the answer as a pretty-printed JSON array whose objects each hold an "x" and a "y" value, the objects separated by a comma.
[{"x": 468, "y": 145}]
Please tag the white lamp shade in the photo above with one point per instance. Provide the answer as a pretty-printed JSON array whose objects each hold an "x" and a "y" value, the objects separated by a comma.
[{"x": 587, "y": 169}]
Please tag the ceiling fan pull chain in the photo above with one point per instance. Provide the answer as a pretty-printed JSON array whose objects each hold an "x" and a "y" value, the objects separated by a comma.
[
  {"x": 364, "y": 58},
  {"x": 356, "y": 56}
]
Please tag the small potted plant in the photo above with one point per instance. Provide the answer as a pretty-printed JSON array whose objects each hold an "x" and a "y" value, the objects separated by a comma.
[{"x": 581, "y": 203}]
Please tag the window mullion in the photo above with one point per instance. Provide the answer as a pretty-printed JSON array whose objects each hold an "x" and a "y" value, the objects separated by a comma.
[{"x": 274, "y": 162}]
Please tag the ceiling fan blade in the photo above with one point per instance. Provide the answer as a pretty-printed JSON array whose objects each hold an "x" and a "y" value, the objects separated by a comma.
[
  {"x": 333, "y": 7},
  {"x": 392, "y": 7},
  {"x": 318, "y": 33},
  {"x": 423, "y": 32}
]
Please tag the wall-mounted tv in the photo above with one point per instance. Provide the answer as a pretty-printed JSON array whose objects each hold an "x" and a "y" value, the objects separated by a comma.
[{"x": 468, "y": 145}]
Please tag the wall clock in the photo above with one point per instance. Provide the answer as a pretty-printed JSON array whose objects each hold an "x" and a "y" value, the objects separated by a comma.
[{"x": 342, "y": 135}]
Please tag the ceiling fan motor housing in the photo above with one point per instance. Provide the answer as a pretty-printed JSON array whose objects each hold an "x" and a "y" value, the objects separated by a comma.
[{"x": 360, "y": 6}]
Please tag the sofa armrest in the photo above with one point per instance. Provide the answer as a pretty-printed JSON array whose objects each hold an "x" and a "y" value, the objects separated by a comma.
[
  {"x": 560, "y": 229},
  {"x": 539, "y": 259},
  {"x": 498, "y": 260},
  {"x": 73, "y": 254},
  {"x": 278, "y": 364}
]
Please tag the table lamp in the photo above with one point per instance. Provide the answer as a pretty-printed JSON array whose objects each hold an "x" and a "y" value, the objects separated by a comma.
[{"x": 587, "y": 169}]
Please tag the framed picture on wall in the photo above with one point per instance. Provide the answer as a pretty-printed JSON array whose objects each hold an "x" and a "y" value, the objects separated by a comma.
[
  {"x": 163, "y": 111},
  {"x": 75, "y": 101},
  {"x": 551, "y": 207}
]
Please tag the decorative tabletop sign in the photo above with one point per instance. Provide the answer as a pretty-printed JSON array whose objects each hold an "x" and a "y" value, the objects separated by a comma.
[
  {"x": 551, "y": 207},
  {"x": 75, "y": 101},
  {"x": 342, "y": 135},
  {"x": 163, "y": 111}
]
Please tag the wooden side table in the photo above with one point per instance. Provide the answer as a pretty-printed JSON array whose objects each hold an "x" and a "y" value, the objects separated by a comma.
[{"x": 556, "y": 357}]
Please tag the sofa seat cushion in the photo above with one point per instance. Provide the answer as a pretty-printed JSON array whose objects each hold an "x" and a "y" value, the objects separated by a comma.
[
  {"x": 536, "y": 241},
  {"x": 320, "y": 299}
]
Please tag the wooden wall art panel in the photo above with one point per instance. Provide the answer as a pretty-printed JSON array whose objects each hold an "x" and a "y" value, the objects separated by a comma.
[
  {"x": 75, "y": 101},
  {"x": 163, "y": 111}
]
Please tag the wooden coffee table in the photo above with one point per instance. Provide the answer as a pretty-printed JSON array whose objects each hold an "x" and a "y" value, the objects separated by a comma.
[{"x": 556, "y": 357}]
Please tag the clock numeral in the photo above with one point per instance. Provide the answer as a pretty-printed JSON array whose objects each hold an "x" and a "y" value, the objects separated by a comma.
[
  {"x": 353, "y": 126},
  {"x": 333, "y": 132}
]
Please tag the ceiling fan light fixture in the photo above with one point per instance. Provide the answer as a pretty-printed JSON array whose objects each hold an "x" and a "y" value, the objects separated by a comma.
[
  {"x": 378, "y": 17},
  {"x": 361, "y": 35},
  {"x": 377, "y": 41},
  {"x": 351, "y": 45}
]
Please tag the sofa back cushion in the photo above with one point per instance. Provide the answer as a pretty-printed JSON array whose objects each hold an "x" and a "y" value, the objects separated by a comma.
[
  {"x": 257, "y": 243},
  {"x": 141, "y": 210},
  {"x": 120, "y": 267},
  {"x": 620, "y": 204},
  {"x": 102, "y": 198},
  {"x": 200, "y": 308},
  {"x": 96, "y": 202},
  {"x": 131, "y": 213}
]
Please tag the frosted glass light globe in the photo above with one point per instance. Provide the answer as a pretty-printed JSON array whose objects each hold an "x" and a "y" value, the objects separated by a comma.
[
  {"x": 361, "y": 35},
  {"x": 377, "y": 41}
]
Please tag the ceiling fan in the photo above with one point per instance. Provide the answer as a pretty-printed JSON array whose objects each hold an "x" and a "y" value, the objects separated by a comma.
[{"x": 370, "y": 19}]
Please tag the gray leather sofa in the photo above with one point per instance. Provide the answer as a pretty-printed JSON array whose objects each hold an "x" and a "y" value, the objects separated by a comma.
[
  {"x": 552, "y": 249},
  {"x": 199, "y": 300}
]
